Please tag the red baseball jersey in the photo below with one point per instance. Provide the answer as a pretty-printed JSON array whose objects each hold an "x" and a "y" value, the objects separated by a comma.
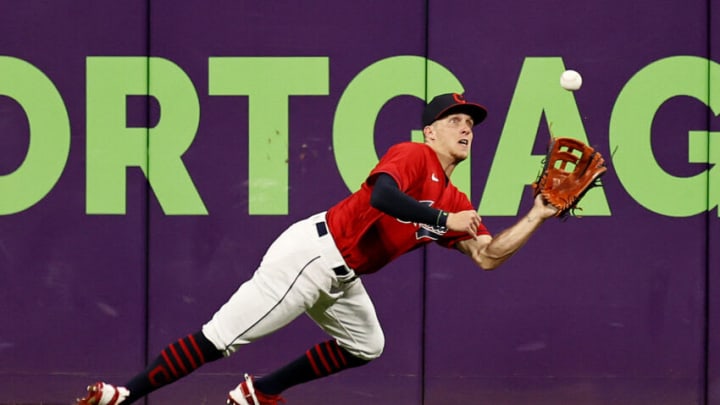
[{"x": 369, "y": 239}]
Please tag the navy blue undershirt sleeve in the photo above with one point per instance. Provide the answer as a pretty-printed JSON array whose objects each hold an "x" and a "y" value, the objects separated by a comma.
[{"x": 388, "y": 198}]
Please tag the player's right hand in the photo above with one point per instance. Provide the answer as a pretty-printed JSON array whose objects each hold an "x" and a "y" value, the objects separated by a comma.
[{"x": 464, "y": 221}]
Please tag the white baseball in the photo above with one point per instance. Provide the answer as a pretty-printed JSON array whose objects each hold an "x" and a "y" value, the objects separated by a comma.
[{"x": 570, "y": 80}]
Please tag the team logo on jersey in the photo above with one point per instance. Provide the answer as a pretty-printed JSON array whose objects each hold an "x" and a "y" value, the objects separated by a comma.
[{"x": 425, "y": 231}]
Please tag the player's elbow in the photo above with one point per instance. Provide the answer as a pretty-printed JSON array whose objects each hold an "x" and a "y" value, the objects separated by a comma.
[
  {"x": 485, "y": 262},
  {"x": 489, "y": 265},
  {"x": 488, "y": 261},
  {"x": 477, "y": 250}
]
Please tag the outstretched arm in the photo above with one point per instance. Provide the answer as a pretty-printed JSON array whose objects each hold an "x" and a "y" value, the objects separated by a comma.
[
  {"x": 490, "y": 252},
  {"x": 486, "y": 251}
]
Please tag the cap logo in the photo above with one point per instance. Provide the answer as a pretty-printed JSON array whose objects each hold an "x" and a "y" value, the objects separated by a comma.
[{"x": 459, "y": 98}]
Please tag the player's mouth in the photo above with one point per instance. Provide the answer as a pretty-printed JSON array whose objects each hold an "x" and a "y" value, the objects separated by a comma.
[{"x": 464, "y": 142}]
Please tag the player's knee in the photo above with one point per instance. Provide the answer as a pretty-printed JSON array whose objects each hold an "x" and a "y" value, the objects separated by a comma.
[
  {"x": 371, "y": 348},
  {"x": 376, "y": 347}
]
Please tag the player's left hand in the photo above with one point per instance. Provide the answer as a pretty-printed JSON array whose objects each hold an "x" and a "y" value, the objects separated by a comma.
[{"x": 543, "y": 208}]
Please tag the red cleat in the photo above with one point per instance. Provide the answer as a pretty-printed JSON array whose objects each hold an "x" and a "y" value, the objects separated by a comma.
[
  {"x": 104, "y": 394},
  {"x": 246, "y": 394}
]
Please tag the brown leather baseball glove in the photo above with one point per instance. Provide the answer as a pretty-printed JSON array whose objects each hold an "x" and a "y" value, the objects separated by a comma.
[{"x": 570, "y": 169}]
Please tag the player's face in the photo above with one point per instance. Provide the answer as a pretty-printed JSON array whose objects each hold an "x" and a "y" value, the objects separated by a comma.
[{"x": 453, "y": 136}]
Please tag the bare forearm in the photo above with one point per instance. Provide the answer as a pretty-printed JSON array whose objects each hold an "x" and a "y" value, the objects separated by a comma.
[
  {"x": 509, "y": 241},
  {"x": 490, "y": 252},
  {"x": 513, "y": 238}
]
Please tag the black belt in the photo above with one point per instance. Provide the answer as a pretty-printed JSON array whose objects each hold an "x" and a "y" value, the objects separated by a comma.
[{"x": 340, "y": 271}]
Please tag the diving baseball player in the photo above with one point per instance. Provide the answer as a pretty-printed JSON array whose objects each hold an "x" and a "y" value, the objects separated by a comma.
[{"x": 316, "y": 265}]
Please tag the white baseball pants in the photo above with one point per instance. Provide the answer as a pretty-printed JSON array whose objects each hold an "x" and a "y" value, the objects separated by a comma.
[{"x": 296, "y": 276}]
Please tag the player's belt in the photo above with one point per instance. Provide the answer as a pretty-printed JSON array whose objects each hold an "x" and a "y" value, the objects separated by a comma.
[{"x": 343, "y": 273}]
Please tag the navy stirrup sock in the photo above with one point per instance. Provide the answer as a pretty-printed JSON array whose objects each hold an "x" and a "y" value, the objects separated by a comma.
[
  {"x": 174, "y": 362},
  {"x": 320, "y": 361}
]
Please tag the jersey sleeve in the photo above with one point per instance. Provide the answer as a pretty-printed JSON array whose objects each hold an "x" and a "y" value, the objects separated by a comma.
[{"x": 403, "y": 162}]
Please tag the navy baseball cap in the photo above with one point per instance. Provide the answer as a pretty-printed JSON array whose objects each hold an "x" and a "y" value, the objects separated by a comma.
[{"x": 451, "y": 103}]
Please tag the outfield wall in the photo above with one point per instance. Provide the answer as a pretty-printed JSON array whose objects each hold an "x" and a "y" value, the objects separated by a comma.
[{"x": 150, "y": 151}]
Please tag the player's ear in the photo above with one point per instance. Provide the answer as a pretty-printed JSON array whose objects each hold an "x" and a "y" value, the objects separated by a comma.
[{"x": 429, "y": 133}]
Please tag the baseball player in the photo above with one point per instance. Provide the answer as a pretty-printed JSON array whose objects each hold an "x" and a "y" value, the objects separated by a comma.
[{"x": 315, "y": 265}]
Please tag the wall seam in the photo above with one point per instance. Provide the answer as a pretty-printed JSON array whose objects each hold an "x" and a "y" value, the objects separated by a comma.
[
  {"x": 146, "y": 342},
  {"x": 706, "y": 358},
  {"x": 423, "y": 342}
]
